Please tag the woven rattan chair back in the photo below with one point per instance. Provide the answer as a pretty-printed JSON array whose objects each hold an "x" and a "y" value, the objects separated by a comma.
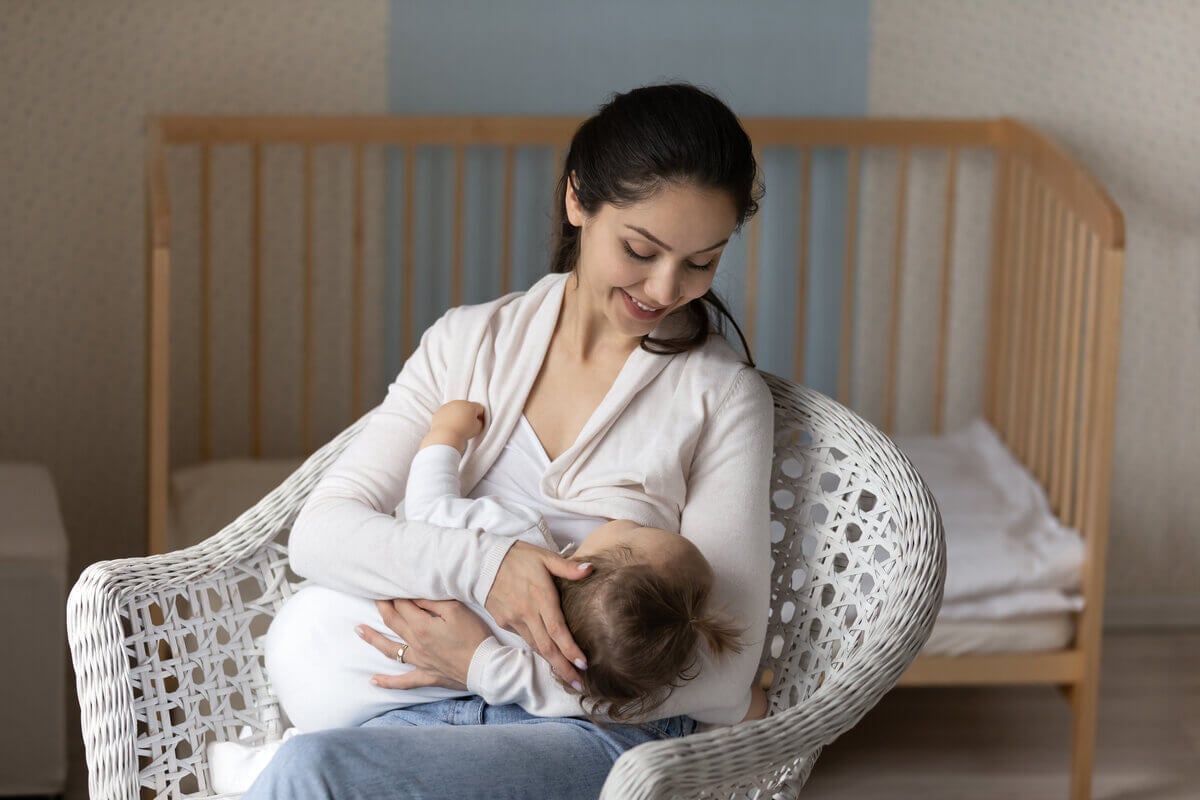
[{"x": 167, "y": 648}]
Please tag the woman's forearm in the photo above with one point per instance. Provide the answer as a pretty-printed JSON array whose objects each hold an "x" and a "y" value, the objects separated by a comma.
[
  {"x": 374, "y": 555},
  {"x": 345, "y": 536}
]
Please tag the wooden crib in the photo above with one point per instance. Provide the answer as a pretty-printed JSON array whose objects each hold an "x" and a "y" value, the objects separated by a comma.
[{"x": 1036, "y": 357}]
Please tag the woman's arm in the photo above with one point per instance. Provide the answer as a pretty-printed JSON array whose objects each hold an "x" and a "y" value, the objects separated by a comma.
[
  {"x": 345, "y": 536},
  {"x": 727, "y": 516}
]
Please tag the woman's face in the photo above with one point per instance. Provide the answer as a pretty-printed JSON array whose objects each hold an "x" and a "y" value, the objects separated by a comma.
[{"x": 639, "y": 263}]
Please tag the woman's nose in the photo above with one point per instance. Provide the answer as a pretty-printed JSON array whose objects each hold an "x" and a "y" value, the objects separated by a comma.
[{"x": 662, "y": 288}]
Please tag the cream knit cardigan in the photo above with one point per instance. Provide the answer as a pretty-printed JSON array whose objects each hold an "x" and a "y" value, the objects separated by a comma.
[{"x": 680, "y": 442}]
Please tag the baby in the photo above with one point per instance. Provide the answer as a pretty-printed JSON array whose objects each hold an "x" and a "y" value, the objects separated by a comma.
[{"x": 639, "y": 616}]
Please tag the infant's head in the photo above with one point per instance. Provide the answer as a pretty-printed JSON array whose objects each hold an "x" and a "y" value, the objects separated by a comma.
[{"x": 640, "y": 617}]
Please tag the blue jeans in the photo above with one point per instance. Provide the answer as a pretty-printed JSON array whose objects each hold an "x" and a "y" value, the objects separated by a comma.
[{"x": 456, "y": 749}]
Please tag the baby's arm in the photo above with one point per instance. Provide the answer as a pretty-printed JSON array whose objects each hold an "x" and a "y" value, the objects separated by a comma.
[
  {"x": 503, "y": 675},
  {"x": 454, "y": 424},
  {"x": 433, "y": 478},
  {"x": 434, "y": 493}
]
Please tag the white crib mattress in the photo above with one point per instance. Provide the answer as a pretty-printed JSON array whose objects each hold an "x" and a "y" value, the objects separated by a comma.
[
  {"x": 1007, "y": 556},
  {"x": 1035, "y": 633}
]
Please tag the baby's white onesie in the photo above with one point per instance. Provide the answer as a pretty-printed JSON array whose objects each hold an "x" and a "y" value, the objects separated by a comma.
[{"x": 320, "y": 670}]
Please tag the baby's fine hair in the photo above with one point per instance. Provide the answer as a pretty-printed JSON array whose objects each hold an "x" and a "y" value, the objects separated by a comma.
[{"x": 641, "y": 629}]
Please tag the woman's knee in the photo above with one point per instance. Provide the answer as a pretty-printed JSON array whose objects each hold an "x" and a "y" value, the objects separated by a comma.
[{"x": 300, "y": 768}]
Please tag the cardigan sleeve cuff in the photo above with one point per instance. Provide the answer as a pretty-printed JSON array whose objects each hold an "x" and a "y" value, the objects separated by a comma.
[
  {"x": 489, "y": 567},
  {"x": 479, "y": 662}
]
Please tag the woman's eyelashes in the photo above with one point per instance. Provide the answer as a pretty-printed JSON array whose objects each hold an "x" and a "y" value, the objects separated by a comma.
[{"x": 629, "y": 251}]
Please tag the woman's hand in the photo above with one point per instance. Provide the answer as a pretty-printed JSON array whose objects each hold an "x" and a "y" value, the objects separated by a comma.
[
  {"x": 523, "y": 600},
  {"x": 442, "y": 636}
]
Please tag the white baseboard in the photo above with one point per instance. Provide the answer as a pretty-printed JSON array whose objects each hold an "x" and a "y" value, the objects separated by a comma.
[{"x": 1152, "y": 611}]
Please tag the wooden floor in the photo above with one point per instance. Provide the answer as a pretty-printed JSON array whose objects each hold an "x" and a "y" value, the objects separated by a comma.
[
  {"x": 988, "y": 744},
  {"x": 994, "y": 744}
]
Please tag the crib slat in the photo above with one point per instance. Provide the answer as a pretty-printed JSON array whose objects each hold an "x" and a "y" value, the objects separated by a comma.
[
  {"x": 939, "y": 389},
  {"x": 750, "y": 326},
  {"x": 1001, "y": 222},
  {"x": 1050, "y": 364},
  {"x": 1015, "y": 216},
  {"x": 1087, "y": 495},
  {"x": 801, "y": 311},
  {"x": 889, "y": 397},
  {"x": 1031, "y": 350},
  {"x": 456, "y": 275},
  {"x": 1049, "y": 347},
  {"x": 1023, "y": 339},
  {"x": 557, "y": 153},
  {"x": 158, "y": 335},
  {"x": 1068, "y": 342},
  {"x": 1110, "y": 268},
  {"x": 206, "y": 351},
  {"x": 256, "y": 298},
  {"x": 1009, "y": 382},
  {"x": 506, "y": 231},
  {"x": 310, "y": 215},
  {"x": 1038, "y": 349},
  {"x": 410, "y": 168},
  {"x": 1020, "y": 372},
  {"x": 357, "y": 406},
  {"x": 848, "y": 283}
]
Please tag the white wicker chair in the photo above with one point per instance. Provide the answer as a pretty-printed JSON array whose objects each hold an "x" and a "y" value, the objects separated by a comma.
[{"x": 167, "y": 659}]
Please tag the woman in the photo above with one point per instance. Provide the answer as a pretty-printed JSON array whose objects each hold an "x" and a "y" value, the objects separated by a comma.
[{"x": 608, "y": 395}]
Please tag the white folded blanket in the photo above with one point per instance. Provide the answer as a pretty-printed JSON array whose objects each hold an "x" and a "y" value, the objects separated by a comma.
[{"x": 1006, "y": 554}]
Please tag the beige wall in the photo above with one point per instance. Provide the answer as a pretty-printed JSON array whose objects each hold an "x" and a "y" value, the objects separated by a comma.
[
  {"x": 1112, "y": 81},
  {"x": 77, "y": 79},
  {"x": 1115, "y": 82}
]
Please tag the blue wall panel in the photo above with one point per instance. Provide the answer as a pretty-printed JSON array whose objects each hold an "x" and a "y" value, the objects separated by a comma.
[{"x": 773, "y": 57}]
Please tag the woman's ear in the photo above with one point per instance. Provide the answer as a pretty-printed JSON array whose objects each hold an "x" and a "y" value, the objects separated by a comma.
[{"x": 575, "y": 212}]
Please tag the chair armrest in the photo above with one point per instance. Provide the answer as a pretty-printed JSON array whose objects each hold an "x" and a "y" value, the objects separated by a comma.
[
  {"x": 772, "y": 753},
  {"x": 164, "y": 646}
]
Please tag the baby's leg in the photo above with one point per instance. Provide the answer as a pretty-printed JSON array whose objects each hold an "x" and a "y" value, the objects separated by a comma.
[{"x": 321, "y": 670}]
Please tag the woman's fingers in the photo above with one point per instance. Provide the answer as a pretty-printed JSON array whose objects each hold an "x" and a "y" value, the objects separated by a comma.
[
  {"x": 548, "y": 648},
  {"x": 564, "y": 642},
  {"x": 389, "y": 647},
  {"x": 416, "y": 679},
  {"x": 390, "y": 611},
  {"x": 552, "y": 617},
  {"x": 567, "y": 568},
  {"x": 436, "y": 608}
]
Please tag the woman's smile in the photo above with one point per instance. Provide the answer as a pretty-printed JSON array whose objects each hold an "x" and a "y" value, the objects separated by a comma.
[{"x": 641, "y": 311}]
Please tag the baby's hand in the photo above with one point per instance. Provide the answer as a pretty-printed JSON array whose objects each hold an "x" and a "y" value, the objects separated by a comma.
[{"x": 455, "y": 423}]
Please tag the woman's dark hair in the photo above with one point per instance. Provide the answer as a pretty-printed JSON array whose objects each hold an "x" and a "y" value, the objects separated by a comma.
[{"x": 636, "y": 144}]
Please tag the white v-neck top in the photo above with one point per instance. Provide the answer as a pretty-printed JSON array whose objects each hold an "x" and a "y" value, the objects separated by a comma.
[
  {"x": 517, "y": 475},
  {"x": 681, "y": 442}
]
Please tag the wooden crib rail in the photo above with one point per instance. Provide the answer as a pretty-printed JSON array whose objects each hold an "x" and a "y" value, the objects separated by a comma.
[{"x": 1055, "y": 232}]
